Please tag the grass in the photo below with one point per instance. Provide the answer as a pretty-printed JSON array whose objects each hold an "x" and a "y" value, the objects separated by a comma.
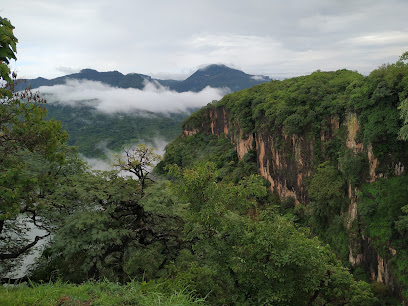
[{"x": 94, "y": 293}]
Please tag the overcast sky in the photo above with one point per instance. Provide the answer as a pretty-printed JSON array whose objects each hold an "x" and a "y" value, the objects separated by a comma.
[{"x": 171, "y": 38}]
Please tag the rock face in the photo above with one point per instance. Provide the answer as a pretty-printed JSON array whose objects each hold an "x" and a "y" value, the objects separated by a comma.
[{"x": 288, "y": 161}]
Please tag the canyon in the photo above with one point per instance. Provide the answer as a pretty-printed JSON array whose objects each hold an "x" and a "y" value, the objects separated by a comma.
[{"x": 288, "y": 161}]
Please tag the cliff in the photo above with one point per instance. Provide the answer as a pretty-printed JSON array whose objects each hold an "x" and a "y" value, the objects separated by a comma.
[{"x": 348, "y": 126}]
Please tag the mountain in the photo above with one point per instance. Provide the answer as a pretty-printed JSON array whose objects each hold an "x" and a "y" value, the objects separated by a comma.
[
  {"x": 96, "y": 133},
  {"x": 218, "y": 76},
  {"x": 112, "y": 78}
]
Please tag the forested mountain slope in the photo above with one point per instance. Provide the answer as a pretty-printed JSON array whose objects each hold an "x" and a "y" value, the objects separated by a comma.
[
  {"x": 95, "y": 133},
  {"x": 219, "y": 76},
  {"x": 329, "y": 146}
]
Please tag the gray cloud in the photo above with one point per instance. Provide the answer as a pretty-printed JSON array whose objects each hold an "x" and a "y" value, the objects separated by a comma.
[
  {"x": 68, "y": 70},
  {"x": 153, "y": 98},
  {"x": 260, "y": 36}
]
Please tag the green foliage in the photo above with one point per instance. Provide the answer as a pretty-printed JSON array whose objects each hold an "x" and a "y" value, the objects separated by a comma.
[
  {"x": 310, "y": 107},
  {"x": 402, "y": 224},
  {"x": 380, "y": 207},
  {"x": 261, "y": 259},
  {"x": 384, "y": 293},
  {"x": 8, "y": 48},
  {"x": 138, "y": 161},
  {"x": 198, "y": 148},
  {"x": 94, "y": 133},
  {"x": 99, "y": 224},
  {"x": 195, "y": 120},
  {"x": 95, "y": 293},
  {"x": 403, "y": 133},
  {"x": 377, "y": 100},
  {"x": 28, "y": 144},
  {"x": 383, "y": 213},
  {"x": 326, "y": 190},
  {"x": 292, "y": 104},
  {"x": 354, "y": 167}
]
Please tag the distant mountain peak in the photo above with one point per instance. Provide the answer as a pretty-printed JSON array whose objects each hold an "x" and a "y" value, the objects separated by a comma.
[
  {"x": 88, "y": 70},
  {"x": 213, "y": 66},
  {"x": 213, "y": 75},
  {"x": 219, "y": 75}
]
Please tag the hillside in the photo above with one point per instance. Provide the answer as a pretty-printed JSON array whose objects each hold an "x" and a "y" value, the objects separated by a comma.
[
  {"x": 112, "y": 78},
  {"x": 218, "y": 76},
  {"x": 328, "y": 145},
  {"x": 95, "y": 133}
]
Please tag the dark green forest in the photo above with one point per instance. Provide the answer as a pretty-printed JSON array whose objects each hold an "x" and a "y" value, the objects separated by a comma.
[
  {"x": 202, "y": 227},
  {"x": 94, "y": 133}
]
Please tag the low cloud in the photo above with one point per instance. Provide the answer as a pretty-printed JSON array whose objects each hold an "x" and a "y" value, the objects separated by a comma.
[
  {"x": 152, "y": 98},
  {"x": 67, "y": 70},
  {"x": 107, "y": 164},
  {"x": 259, "y": 78}
]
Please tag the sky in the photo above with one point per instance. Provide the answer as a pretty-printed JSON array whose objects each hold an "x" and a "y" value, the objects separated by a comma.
[{"x": 171, "y": 39}]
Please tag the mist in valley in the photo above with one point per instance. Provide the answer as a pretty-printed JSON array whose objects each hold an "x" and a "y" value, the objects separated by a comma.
[{"x": 153, "y": 98}]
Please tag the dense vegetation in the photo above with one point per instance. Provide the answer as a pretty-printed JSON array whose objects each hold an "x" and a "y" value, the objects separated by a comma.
[
  {"x": 96, "y": 293},
  {"x": 204, "y": 228},
  {"x": 95, "y": 133},
  {"x": 309, "y": 107}
]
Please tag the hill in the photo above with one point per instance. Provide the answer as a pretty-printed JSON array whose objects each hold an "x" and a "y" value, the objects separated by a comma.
[
  {"x": 95, "y": 132},
  {"x": 218, "y": 76},
  {"x": 112, "y": 78}
]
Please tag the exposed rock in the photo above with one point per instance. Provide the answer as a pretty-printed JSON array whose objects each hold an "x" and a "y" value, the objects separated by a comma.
[{"x": 286, "y": 161}]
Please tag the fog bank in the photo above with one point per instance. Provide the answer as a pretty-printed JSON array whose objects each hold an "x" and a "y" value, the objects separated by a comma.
[{"x": 152, "y": 98}]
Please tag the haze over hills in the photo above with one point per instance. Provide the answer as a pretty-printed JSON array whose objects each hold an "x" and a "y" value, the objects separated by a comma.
[
  {"x": 217, "y": 76},
  {"x": 105, "y": 111}
]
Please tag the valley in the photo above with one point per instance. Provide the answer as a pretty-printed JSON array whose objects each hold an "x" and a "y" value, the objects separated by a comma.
[
  {"x": 269, "y": 192},
  {"x": 128, "y": 118}
]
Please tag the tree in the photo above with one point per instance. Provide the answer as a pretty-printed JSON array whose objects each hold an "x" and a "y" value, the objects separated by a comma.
[
  {"x": 100, "y": 223},
  {"x": 28, "y": 144},
  {"x": 245, "y": 256},
  {"x": 403, "y": 132},
  {"x": 139, "y": 161}
]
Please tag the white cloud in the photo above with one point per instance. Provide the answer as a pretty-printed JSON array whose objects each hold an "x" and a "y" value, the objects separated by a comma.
[
  {"x": 380, "y": 39},
  {"x": 153, "y": 98},
  {"x": 153, "y": 37},
  {"x": 259, "y": 78}
]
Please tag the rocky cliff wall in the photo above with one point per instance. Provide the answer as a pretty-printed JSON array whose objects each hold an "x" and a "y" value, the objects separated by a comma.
[{"x": 287, "y": 163}]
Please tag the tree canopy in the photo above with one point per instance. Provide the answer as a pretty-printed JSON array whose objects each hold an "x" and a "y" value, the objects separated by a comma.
[{"x": 28, "y": 144}]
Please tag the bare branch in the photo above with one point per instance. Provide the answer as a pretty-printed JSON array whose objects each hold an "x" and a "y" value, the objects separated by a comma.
[{"x": 22, "y": 250}]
